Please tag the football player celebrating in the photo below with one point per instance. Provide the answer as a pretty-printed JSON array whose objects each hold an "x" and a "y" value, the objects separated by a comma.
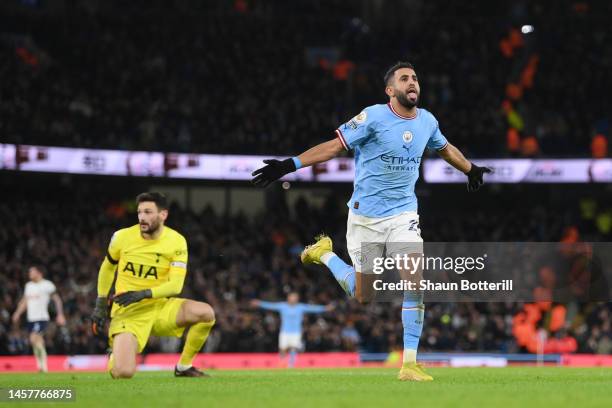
[{"x": 389, "y": 141}]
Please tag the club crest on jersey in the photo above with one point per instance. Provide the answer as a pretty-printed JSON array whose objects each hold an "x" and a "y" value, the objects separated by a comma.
[{"x": 407, "y": 136}]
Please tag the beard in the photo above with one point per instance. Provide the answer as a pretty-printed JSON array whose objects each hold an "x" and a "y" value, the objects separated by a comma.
[
  {"x": 406, "y": 102},
  {"x": 152, "y": 227}
]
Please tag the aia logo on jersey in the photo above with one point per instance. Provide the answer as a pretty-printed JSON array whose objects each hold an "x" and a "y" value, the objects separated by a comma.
[
  {"x": 141, "y": 271},
  {"x": 407, "y": 136}
]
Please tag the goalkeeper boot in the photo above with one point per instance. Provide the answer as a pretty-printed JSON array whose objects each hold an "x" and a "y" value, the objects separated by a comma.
[
  {"x": 413, "y": 372},
  {"x": 190, "y": 372},
  {"x": 312, "y": 253}
]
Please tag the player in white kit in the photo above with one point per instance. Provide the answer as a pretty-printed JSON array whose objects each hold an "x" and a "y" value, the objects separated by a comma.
[{"x": 38, "y": 291}]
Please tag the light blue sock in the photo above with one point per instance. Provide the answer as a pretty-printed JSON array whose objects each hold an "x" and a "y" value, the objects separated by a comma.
[
  {"x": 344, "y": 273},
  {"x": 292, "y": 358},
  {"x": 413, "y": 311}
]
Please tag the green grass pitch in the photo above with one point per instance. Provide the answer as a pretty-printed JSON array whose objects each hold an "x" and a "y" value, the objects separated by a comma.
[{"x": 362, "y": 387}]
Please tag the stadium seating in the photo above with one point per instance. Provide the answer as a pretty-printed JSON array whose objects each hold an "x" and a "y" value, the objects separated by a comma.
[{"x": 268, "y": 79}]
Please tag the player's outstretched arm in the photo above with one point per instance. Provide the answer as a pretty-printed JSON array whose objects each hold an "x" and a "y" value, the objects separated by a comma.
[
  {"x": 455, "y": 158},
  {"x": 321, "y": 152},
  {"x": 316, "y": 308},
  {"x": 275, "y": 169},
  {"x": 276, "y": 306}
]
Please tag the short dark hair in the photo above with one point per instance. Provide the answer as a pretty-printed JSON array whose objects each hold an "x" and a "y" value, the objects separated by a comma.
[
  {"x": 159, "y": 199},
  {"x": 391, "y": 71},
  {"x": 39, "y": 267}
]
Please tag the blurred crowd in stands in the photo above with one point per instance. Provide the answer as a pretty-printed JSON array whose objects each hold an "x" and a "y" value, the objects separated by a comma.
[
  {"x": 233, "y": 259},
  {"x": 272, "y": 77}
]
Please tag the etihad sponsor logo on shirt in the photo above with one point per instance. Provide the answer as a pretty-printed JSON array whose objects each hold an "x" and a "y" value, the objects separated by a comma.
[
  {"x": 399, "y": 163},
  {"x": 388, "y": 159}
]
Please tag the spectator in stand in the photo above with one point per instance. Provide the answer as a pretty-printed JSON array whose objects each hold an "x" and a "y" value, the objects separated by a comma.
[{"x": 119, "y": 76}]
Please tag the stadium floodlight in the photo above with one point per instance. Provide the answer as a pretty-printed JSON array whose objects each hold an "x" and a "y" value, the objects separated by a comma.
[{"x": 526, "y": 29}]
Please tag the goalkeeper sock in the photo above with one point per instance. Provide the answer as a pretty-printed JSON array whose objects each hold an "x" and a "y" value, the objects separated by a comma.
[
  {"x": 344, "y": 273},
  {"x": 198, "y": 333},
  {"x": 412, "y": 320}
]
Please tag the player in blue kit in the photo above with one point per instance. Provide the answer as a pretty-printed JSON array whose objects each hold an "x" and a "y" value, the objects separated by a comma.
[
  {"x": 292, "y": 315},
  {"x": 389, "y": 141}
]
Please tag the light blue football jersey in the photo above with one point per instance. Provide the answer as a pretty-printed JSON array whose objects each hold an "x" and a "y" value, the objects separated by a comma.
[
  {"x": 292, "y": 316},
  {"x": 388, "y": 151}
]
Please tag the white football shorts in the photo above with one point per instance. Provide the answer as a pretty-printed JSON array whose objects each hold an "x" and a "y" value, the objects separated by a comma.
[
  {"x": 368, "y": 238},
  {"x": 289, "y": 341}
]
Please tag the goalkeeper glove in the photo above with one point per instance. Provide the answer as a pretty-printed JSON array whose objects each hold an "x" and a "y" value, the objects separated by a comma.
[
  {"x": 273, "y": 170},
  {"x": 99, "y": 316},
  {"x": 475, "y": 179},
  {"x": 133, "y": 296}
]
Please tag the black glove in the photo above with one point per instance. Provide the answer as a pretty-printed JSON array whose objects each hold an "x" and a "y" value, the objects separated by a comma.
[
  {"x": 133, "y": 296},
  {"x": 99, "y": 316},
  {"x": 274, "y": 170},
  {"x": 475, "y": 177}
]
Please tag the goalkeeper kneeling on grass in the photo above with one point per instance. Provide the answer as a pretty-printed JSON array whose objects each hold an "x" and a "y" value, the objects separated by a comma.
[{"x": 150, "y": 260}]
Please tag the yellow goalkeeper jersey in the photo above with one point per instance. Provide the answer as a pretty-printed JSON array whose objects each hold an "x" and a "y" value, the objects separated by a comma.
[{"x": 145, "y": 263}]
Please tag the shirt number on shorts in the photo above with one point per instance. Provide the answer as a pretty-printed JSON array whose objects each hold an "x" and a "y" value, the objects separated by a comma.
[{"x": 413, "y": 226}]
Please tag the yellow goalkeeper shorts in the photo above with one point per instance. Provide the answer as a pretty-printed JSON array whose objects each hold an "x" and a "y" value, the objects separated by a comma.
[{"x": 155, "y": 317}]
